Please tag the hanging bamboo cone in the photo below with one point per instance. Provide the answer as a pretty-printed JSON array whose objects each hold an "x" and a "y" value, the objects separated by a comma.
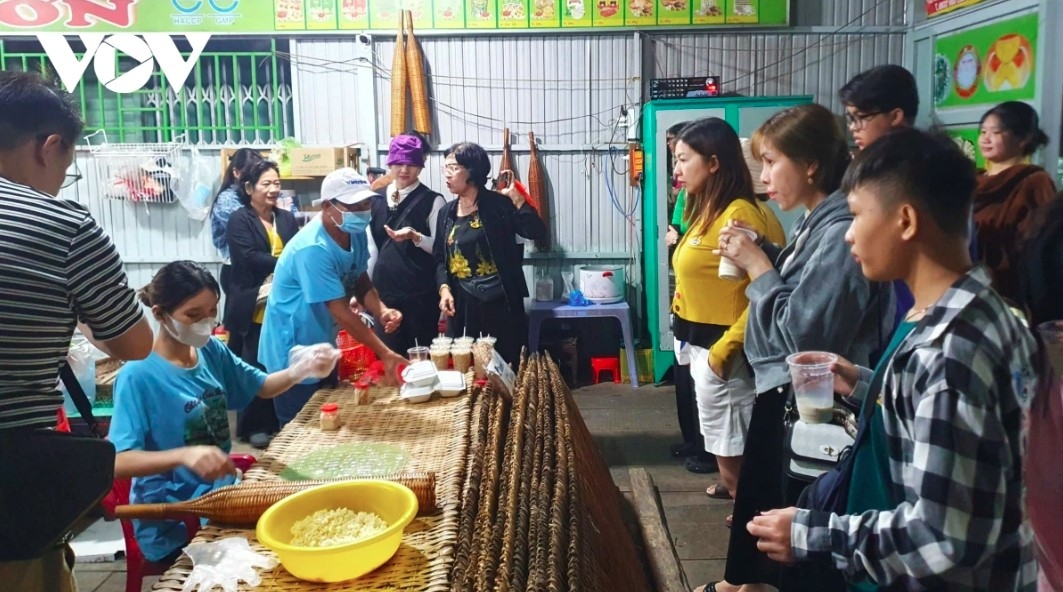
[
  {"x": 245, "y": 503},
  {"x": 422, "y": 119},
  {"x": 506, "y": 164},
  {"x": 537, "y": 189},
  {"x": 398, "y": 82}
]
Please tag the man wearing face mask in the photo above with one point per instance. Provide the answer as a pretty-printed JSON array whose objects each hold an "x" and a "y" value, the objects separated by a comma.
[{"x": 308, "y": 303}]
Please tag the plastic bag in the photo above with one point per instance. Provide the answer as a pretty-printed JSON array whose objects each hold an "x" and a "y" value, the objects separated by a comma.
[
  {"x": 224, "y": 564},
  {"x": 313, "y": 361},
  {"x": 81, "y": 357},
  {"x": 196, "y": 190}
]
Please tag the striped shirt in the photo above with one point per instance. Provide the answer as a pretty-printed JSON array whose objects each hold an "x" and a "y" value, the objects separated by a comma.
[
  {"x": 56, "y": 267},
  {"x": 953, "y": 403}
]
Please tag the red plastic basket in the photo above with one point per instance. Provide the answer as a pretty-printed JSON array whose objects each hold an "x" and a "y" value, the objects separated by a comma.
[{"x": 355, "y": 358}]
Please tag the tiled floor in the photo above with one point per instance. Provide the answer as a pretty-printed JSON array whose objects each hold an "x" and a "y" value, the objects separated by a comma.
[{"x": 632, "y": 429}]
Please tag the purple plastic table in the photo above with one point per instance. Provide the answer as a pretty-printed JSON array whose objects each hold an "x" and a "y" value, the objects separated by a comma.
[{"x": 541, "y": 311}]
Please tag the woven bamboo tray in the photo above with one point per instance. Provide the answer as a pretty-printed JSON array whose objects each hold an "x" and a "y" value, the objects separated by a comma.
[{"x": 435, "y": 436}]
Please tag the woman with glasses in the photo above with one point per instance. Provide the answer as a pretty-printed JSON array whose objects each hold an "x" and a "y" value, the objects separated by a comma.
[
  {"x": 400, "y": 246},
  {"x": 479, "y": 268},
  {"x": 170, "y": 424},
  {"x": 1009, "y": 191},
  {"x": 257, "y": 232}
]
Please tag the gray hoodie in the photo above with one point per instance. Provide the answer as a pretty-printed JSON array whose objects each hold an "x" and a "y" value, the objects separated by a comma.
[{"x": 816, "y": 298}]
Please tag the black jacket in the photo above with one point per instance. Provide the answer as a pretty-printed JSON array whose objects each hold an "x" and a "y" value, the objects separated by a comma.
[
  {"x": 251, "y": 262},
  {"x": 503, "y": 222},
  {"x": 403, "y": 270}
]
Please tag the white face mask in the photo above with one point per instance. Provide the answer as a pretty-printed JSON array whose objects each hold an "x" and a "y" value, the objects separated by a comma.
[{"x": 195, "y": 334}]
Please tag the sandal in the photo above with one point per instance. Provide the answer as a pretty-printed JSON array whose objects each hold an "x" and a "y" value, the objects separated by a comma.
[
  {"x": 729, "y": 520},
  {"x": 710, "y": 587},
  {"x": 718, "y": 491}
]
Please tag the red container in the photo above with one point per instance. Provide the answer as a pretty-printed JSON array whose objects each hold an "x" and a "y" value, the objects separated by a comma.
[{"x": 355, "y": 358}]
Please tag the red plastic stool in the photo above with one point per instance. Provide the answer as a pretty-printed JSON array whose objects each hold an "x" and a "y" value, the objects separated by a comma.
[{"x": 599, "y": 365}]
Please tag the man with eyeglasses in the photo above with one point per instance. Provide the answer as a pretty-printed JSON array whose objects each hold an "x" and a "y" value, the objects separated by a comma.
[
  {"x": 57, "y": 270},
  {"x": 879, "y": 100}
]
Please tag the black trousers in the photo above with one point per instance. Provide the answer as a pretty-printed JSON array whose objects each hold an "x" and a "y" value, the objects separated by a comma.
[
  {"x": 258, "y": 416},
  {"x": 420, "y": 322},
  {"x": 687, "y": 406}
]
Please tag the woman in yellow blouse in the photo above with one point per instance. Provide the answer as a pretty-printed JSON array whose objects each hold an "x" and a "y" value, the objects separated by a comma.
[
  {"x": 257, "y": 233},
  {"x": 710, "y": 312}
]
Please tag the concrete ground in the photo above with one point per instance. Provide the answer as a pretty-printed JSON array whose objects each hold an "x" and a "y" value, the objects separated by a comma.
[{"x": 633, "y": 428}]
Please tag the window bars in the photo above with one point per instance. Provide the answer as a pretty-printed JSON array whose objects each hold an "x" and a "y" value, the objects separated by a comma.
[{"x": 238, "y": 93}]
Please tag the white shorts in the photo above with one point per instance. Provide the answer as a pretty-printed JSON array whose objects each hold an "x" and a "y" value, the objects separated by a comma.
[
  {"x": 682, "y": 352},
  {"x": 724, "y": 406}
]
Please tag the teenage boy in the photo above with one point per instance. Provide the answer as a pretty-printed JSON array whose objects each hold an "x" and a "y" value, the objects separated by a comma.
[
  {"x": 953, "y": 397},
  {"x": 879, "y": 100}
]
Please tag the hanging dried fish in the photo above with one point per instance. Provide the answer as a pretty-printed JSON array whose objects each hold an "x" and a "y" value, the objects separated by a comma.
[
  {"x": 537, "y": 189},
  {"x": 422, "y": 119},
  {"x": 398, "y": 81}
]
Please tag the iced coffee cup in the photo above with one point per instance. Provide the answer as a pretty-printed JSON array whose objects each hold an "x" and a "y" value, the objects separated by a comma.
[
  {"x": 728, "y": 270},
  {"x": 813, "y": 383},
  {"x": 440, "y": 356},
  {"x": 442, "y": 342},
  {"x": 464, "y": 342},
  {"x": 462, "y": 358}
]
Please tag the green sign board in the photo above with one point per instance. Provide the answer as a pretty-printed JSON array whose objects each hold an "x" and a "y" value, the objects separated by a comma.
[
  {"x": 967, "y": 139},
  {"x": 987, "y": 65},
  {"x": 29, "y": 17}
]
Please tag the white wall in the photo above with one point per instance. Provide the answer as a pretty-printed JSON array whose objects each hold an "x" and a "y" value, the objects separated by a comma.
[{"x": 568, "y": 89}]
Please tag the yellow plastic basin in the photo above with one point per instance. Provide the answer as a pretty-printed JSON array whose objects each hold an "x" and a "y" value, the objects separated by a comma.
[{"x": 395, "y": 503}]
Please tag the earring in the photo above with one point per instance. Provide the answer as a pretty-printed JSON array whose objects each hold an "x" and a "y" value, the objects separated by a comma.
[{"x": 810, "y": 181}]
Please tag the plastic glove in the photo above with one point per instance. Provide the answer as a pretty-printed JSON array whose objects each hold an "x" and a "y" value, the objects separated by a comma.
[
  {"x": 224, "y": 563},
  {"x": 314, "y": 361}
]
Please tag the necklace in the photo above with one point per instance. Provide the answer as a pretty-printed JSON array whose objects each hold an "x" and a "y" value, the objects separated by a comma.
[{"x": 915, "y": 313}]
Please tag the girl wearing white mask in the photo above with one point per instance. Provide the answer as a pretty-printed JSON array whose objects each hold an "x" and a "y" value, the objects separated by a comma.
[{"x": 170, "y": 425}]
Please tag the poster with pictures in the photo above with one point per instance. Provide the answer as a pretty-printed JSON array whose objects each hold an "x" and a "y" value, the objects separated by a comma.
[
  {"x": 545, "y": 14},
  {"x": 481, "y": 14},
  {"x": 289, "y": 15},
  {"x": 707, "y": 12},
  {"x": 986, "y": 65},
  {"x": 673, "y": 12},
  {"x": 742, "y": 11},
  {"x": 354, "y": 14}
]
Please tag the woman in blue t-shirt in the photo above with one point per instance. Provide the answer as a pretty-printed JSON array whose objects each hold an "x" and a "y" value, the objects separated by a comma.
[{"x": 170, "y": 424}]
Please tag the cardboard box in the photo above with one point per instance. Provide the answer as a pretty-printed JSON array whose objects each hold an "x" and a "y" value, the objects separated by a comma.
[{"x": 317, "y": 162}]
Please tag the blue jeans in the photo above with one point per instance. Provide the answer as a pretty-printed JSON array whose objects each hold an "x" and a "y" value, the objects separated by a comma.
[{"x": 288, "y": 404}]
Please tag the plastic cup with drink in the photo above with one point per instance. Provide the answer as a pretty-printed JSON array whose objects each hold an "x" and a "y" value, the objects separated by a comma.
[
  {"x": 462, "y": 358},
  {"x": 728, "y": 270},
  {"x": 417, "y": 353},
  {"x": 813, "y": 383},
  {"x": 1051, "y": 333},
  {"x": 440, "y": 355}
]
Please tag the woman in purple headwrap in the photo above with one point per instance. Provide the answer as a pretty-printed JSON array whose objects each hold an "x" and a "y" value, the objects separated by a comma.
[{"x": 400, "y": 245}]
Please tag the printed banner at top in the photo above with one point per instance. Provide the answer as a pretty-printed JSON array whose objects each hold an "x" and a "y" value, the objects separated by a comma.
[
  {"x": 986, "y": 65},
  {"x": 938, "y": 7},
  {"x": 248, "y": 17}
]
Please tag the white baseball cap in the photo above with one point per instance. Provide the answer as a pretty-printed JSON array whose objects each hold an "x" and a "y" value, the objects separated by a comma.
[{"x": 346, "y": 186}]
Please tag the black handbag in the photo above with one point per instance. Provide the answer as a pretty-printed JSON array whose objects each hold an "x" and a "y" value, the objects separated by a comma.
[
  {"x": 484, "y": 289},
  {"x": 49, "y": 480}
]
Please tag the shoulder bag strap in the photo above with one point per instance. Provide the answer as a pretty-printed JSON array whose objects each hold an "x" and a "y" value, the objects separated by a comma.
[{"x": 80, "y": 399}]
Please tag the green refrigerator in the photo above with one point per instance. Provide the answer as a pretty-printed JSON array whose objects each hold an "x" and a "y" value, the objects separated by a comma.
[{"x": 745, "y": 114}]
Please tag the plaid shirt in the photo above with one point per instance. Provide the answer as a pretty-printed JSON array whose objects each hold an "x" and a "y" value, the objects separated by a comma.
[{"x": 953, "y": 399}]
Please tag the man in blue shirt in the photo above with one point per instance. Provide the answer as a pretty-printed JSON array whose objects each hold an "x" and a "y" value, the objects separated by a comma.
[{"x": 308, "y": 303}]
